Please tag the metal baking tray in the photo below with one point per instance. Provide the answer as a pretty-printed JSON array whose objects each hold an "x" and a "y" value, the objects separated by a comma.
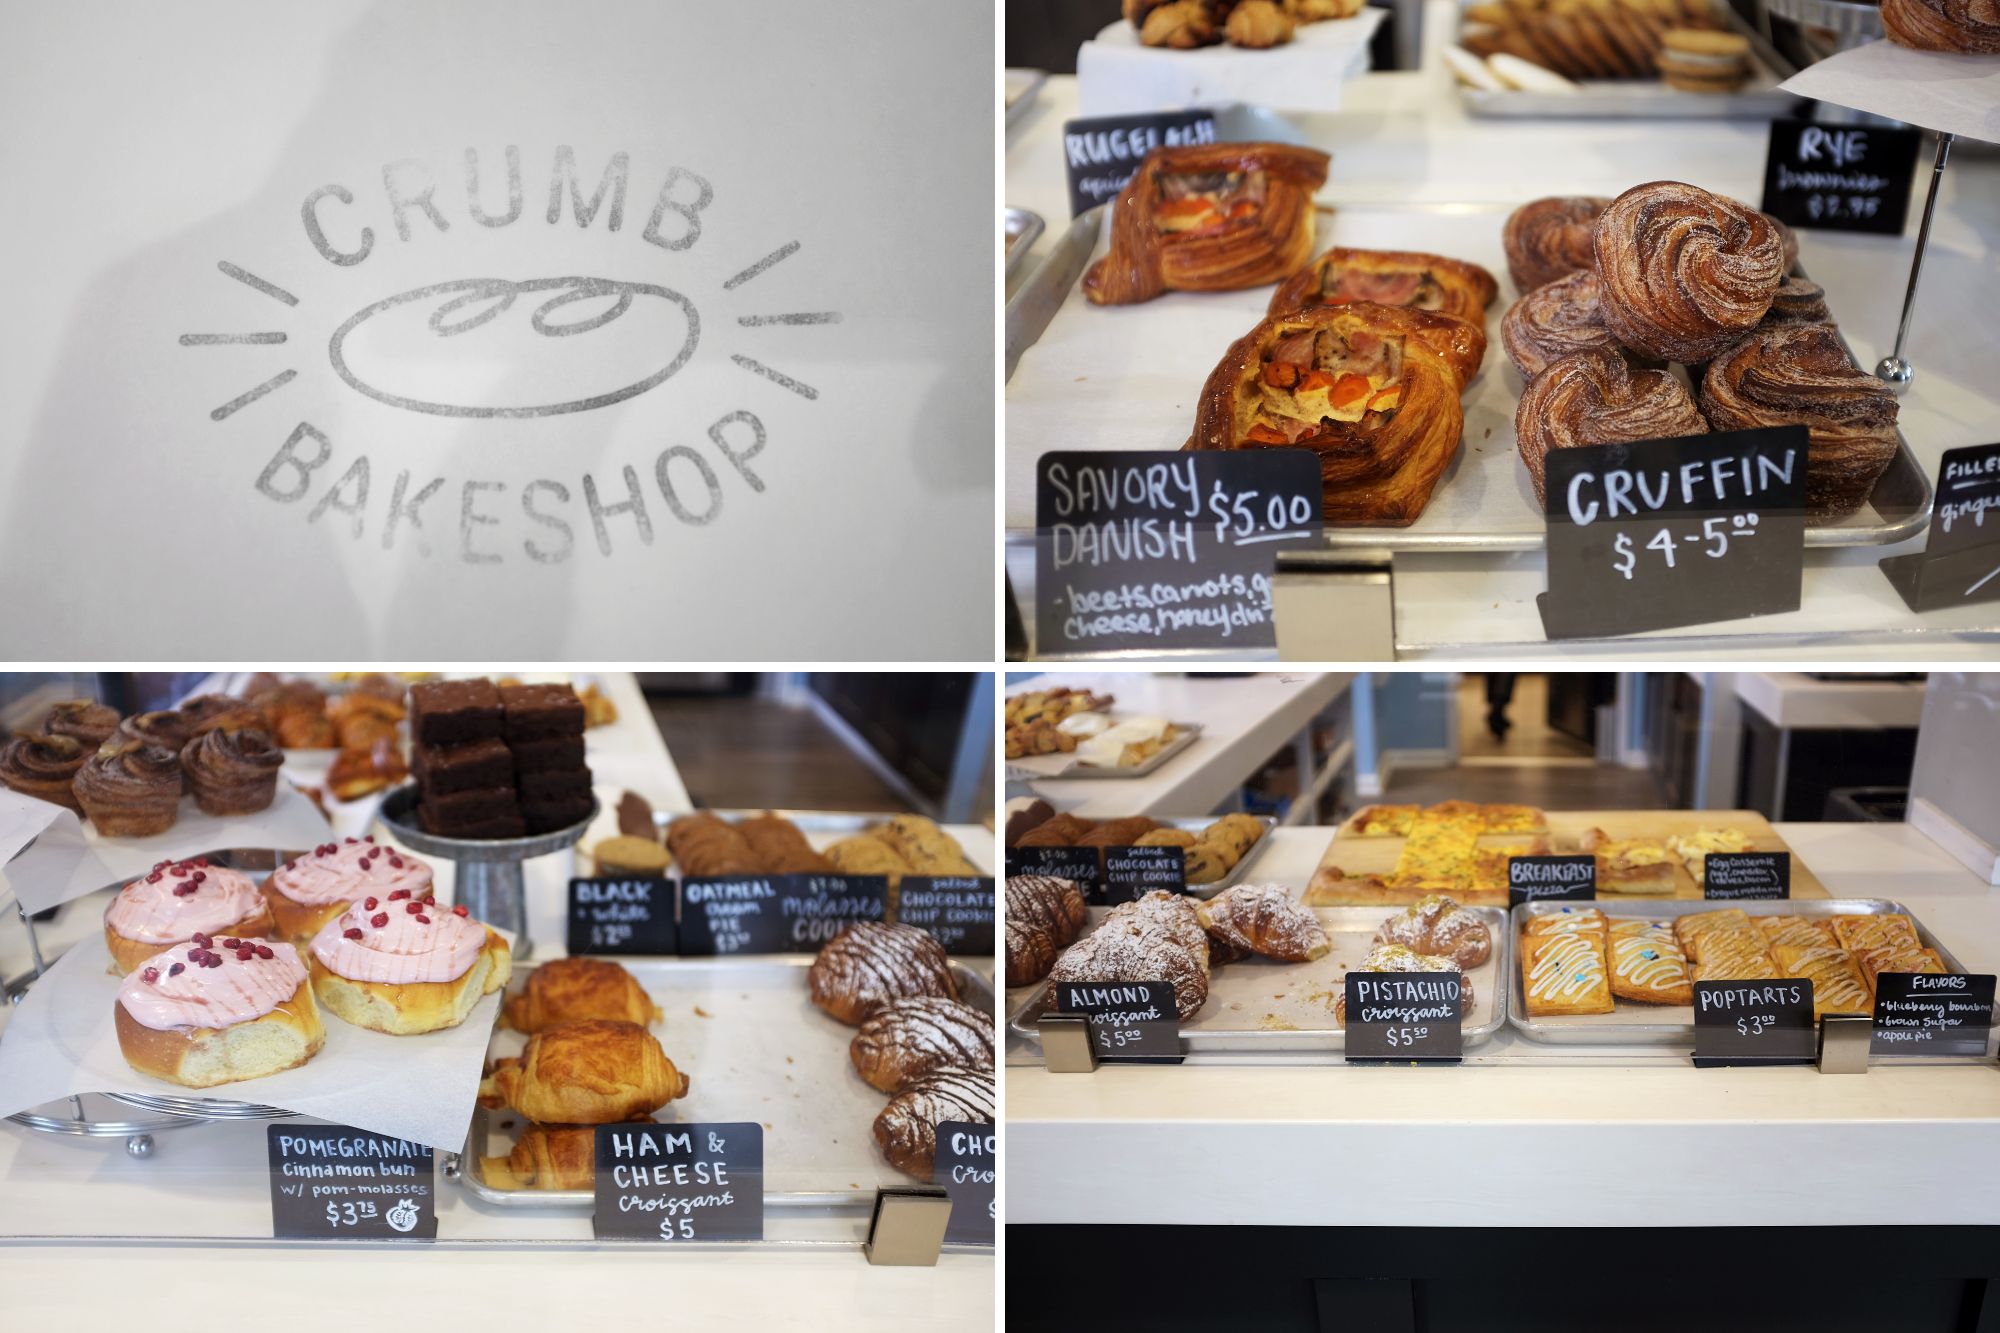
[
  {"x": 1634, "y": 1024},
  {"x": 1022, "y": 87},
  {"x": 754, "y": 1047},
  {"x": 1239, "y": 871},
  {"x": 1251, "y": 1003},
  {"x": 1189, "y": 731},
  {"x": 822, "y": 827},
  {"x": 1647, "y": 99},
  {"x": 1484, "y": 501},
  {"x": 1021, "y": 229}
]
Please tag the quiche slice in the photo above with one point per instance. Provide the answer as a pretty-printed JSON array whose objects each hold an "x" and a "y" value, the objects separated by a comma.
[{"x": 1630, "y": 865}]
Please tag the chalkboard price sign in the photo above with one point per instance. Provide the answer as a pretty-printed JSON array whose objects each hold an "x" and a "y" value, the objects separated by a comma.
[
  {"x": 1102, "y": 153},
  {"x": 335, "y": 1182},
  {"x": 727, "y": 914},
  {"x": 1923, "y": 1014},
  {"x": 1131, "y": 1022},
  {"x": 967, "y": 1163},
  {"x": 1960, "y": 562},
  {"x": 1080, "y": 864},
  {"x": 1753, "y": 1023},
  {"x": 1839, "y": 177},
  {"x": 957, "y": 912},
  {"x": 633, "y": 915},
  {"x": 1737, "y": 875},
  {"x": 1403, "y": 1016},
  {"x": 1145, "y": 551},
  {"x": 680, "y": 1182},
  {"x": 1540, "y": 879},
  {"x": 1133, "y": 872}
]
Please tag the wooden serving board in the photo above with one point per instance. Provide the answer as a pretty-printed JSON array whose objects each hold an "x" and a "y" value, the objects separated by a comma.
[{"x": 1363, "y": 861}]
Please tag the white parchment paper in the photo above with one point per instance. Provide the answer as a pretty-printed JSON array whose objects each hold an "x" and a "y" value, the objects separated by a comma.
[
  {"x": 1115, "y": 73},
  {"x": 62, "y": 1040},
  {"x": 1935, "y": 89}
]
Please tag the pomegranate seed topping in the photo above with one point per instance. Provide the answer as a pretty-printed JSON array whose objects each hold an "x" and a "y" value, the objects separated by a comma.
[
  {"x": 422, "y": 919},
  {"x": 414, "y": 908},
  {"x": 368, "y": 838},
  {"x": 153, "y": 878},
  {"x": 372, "y": 903},
  {"x": 197, "y": 877},
  {"x": 460, "y": 910},
  {"x": 201, "y": 861},
  {"x": 232, "y": 944},
  {"x": 350, "y": 842},
  {"x": 202, "y": 941},
  {"x": 264, "y": 951},
  {"x": 150, "y": 975},
  {"x": 379, "y": 920},
  {"x": 399, "y": 893},
  {"x": 213, "y": 960},
  {"x": 245, "y": 954},
  {"x": 352, "y": 932},
  {"x": 396, "y": 862},
  {"x": 176, "y": 969}
]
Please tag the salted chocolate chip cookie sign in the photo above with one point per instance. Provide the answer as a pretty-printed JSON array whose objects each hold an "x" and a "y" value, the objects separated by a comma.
[{"x": 956, "y": 911}]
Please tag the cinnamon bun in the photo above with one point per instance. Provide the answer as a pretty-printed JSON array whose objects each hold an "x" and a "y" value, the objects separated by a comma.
[
  {"x": 408, "y": 966},
  {"x": 44, "y": 767},
  {"x": 1597, "y": 397},
  {"x": 1549, "y": 238},
  {"x": 1968, "y": 27},
  {"x": 1684, "y": 273},
  {"x": 1389, "y": 277}
]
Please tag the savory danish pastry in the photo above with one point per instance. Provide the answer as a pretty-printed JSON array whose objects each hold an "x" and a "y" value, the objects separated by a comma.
[
  {"x": 1684, "y": 273},
  {"x": 1372, "y": 390},
  {"x": 1801, "y": 374},
  {"x": 1211, "y": 217},
  {"x": 1970, "y": 27},
  {"x": 1389, "y": 277},
  {"x": 1550, "y": 238},
  {"x": 1597, "y": 397},
  {"x": 1261, "y": 919},
  {"x": 1554, "y": 320}
]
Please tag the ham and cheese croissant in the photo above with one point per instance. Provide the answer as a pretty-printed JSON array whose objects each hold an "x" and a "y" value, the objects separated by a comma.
[
  {"x": 1213, "y": 217},
  {"x": 597, "y": 1072},
  {"x": 565, "y": 990},
  {"x": 1389, "y": 277}
]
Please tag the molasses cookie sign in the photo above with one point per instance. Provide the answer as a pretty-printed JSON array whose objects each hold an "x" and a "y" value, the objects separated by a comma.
[
  {"x": 1666, "y": 533},
  {"x": 1144, "y": 551},
  {"x": 1960, "y": 562}
]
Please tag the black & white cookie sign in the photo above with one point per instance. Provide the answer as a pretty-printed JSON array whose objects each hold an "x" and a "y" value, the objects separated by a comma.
[
  {"x": 680, "y": 1182},
  {"x": 629, "y": 915}
]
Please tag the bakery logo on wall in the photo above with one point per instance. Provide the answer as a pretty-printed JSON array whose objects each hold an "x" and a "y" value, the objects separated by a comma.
[{"x": 535, "y": 347}]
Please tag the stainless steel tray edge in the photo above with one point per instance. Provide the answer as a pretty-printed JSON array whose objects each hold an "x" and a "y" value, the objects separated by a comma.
[{"x": 1025, "y": 228}]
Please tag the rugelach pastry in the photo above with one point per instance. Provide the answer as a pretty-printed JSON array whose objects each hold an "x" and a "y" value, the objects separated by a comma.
[
  {"x": 406, "y": 965},
  {"x": 1257, "y": 25},
  {"x": 1212, "y": 217},
  {"x": 569, "y": 990},
  {"x": 906, "y": 1130},
  {"x": 44, "y": 767},
  {"x": 1399, "y": 958},
  {"x": 1684, "y": 273},
  {"x": 908, "y": 1039},
  {"x": 130, "y": 789},
  {"x": 1373, "y": 390},
  {"x": 85, "y": 721},
  {"x": 179, "y": 901},
  {"x": 1565, "y": 974},
  {"x": 1648, "y": 966},
  {"x": 1406, "y": 278},
  {"x": 1546, "y": 239},
  {"x": 1261, "y": 919},
  {"x": 600, "y": 1071},
  {"x": 1596, "y": 397},
  {"x": 1438, "y": 926},
  {"x": 1965, "y": 27},
  {"x": 871, "y": 963},
  {"x": 212, "y": 1012},
  {"x": 310, "y": 890},
  {"x": 1156, "y": 937},
  {"x": 1044, "y": 914},
  {"x": 232, "y": 770},
  {"x": 1554, "y": 320}
]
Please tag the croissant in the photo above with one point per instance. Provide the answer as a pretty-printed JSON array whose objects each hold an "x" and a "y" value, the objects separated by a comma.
[
  {"x": 1373, "y": 390},
  {"x": 565, "y": 990},
  {"x": 1263, "y": 919},
  {"x": 1153, "y": 938},
  {"x": 907, "y": 1039},
  {"x": 1967, "y": 26},
  {"x": 596, "y": 1072},
  {"x": 1800, "y": 374},
  {"x": 1546, "y": 239},
  {"x": 870, "y": 963},
  {"x": 1437, "y": 926},
  {"x": 906, "y": 1130},
  {"x": 1554, "y": 320},
  {"x": 1684, "y": 273},
  {"x": 1212, "y": 217},
  {"x": 1389, "y": 277},
  {"x": 549, "y": 1157},
  {"x": 1597, "y": 397},
  {"x": 1044, "y": 914}
]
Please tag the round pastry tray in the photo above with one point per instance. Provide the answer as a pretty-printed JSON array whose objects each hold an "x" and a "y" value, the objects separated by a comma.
[
  {"x": 399, "y": 812},
  {"x": 199, "y": 1108},
  {"x": 1850, "y": 20}
]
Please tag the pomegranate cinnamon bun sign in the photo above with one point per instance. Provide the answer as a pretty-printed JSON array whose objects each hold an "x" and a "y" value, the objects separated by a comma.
[{"x": 1665, "y": 533}]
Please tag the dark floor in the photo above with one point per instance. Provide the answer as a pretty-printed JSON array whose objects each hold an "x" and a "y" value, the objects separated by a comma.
[
  {"x": 1552, "y": 787},
  {"x": 750, "y": 753}
]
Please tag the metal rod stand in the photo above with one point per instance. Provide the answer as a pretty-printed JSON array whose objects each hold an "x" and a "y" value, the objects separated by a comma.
[{"x": 1893, "y": 368}]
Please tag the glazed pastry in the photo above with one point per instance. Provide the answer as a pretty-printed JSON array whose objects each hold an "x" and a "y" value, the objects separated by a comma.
[
  {"x": 1839, "y": 987},
  {"x": 908, "y": 1039},
  {"x": 706, "y": 844},
  {"x": 1262, "y": 919},
  {"x": 549, "y": 1157},
  {"x": 1554, "y": 320},
  {"x": 232, "y": 771},
  {"x": 1044, "y": 915},
  {"x": 1800, "y": 374},
  {"x": 1548, "y": 239},
  {"x": 601, "y": 1071},
  {"x": 308, "y": 891},
  {"x": 1801, "y": 932},
  {"x": 1596, "y": 397},
  {"x": 1257, "y": 25},
  {"x": 205, "y": 712},
  {"x": 927, "y": 848},
  {"x": 179, "y": 901},
  {"x": 1799, "y": 301},
  {"x": 1565, "y": 974},
  {"x": 870, "y": 963},
  {"x": 1968, "y": 27},
  {"x": 1400, "y": 958},
  {"x": 82, "y": 720},
  {"x": 1897, "y": 958},
  {"x": 1156, "y": 937},
  {"x": 1212, "y": 217},
  {"x": 1648, "y": 966},
  {"x": 906, "y": 1130},
  {"x": 1566, "y": 919},
  {"x": 1872, "y": 932},
  {"x": 1438, "y": 926},
  {"x": 1690, "y": 929},
  {"x": 407, "y": 966},
  {"x": 1389, "y": 277},
  {"x": 1684, "y": 273},
  {"x": 1373, "y": 390},
  {"x": 44, "y": 767},
  {"x": 130, "y": 789},
  {"x": 780, "y": 848},
  {"x": 206, "y": 1013},
  {"x": 568, "y": 990}
]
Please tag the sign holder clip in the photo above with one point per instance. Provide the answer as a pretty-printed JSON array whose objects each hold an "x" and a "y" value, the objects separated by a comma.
[
  {"x": 907, "y": 1228},
  {"x": 1843, "y": 1043},
  {"x": 1066, "y": 1044}
]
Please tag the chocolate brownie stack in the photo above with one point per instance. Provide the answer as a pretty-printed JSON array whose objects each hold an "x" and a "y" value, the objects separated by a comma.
[{"x": 498, "y": 761}]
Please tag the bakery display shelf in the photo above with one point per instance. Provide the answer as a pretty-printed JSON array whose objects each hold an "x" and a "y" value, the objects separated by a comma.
[
  {"x": 1635, "y": 1024},
  {"x": 1262, "y": 1008},
  {"x": 1146, "y": 365},
  {"x": 1653, "y": 99},
  {"x": 1021, "y": 229},
  {"x": 822, "y": 828},
  {"x": 1188, "y": 733},
  {"x": 754, "y": 1047}
]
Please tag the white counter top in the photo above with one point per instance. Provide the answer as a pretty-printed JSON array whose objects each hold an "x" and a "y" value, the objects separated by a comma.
[
  {"x": 1793, "y": 699},
  {"x": 1551, "y": 1144},
  {"x": 1245, "y": 720}
]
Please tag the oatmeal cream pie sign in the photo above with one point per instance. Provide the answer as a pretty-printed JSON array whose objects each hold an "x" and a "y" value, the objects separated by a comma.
[{"x": 497, "y": 325}]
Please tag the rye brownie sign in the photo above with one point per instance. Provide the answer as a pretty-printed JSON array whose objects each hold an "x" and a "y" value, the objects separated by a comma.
[{"x": 494, "y": 325}]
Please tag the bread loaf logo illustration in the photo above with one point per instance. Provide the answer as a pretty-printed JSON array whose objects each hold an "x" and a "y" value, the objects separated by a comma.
[{"x": 515, "y": 347}]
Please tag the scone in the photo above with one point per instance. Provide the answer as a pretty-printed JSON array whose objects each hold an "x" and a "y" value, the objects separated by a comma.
[
  {"x": 180, "y": 901},
  {"x": 308, "y": 891},
  {"x": 202, "y": 1014},
  {"x": 407, "y": 967}
]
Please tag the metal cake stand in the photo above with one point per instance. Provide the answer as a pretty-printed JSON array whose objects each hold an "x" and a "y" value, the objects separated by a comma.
[{"x": 488, "y": 879}]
